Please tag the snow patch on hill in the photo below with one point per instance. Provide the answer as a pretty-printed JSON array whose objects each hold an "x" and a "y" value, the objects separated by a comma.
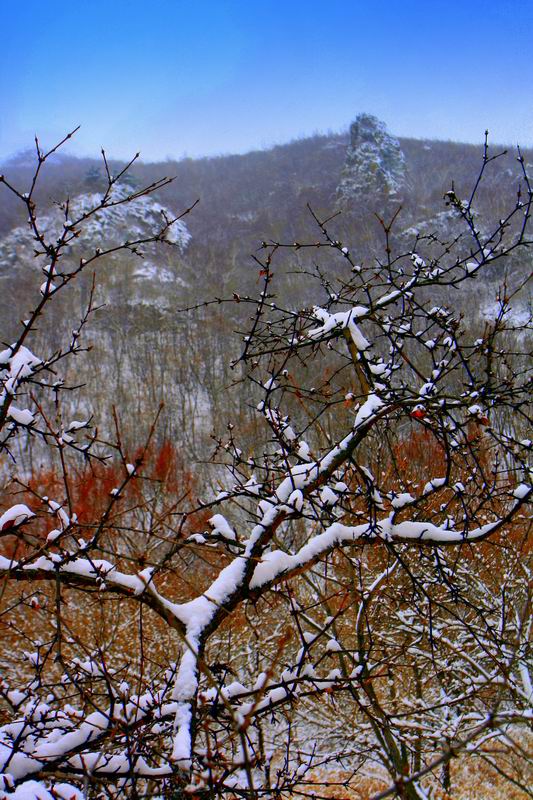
[{"x": 135, "y": 220}]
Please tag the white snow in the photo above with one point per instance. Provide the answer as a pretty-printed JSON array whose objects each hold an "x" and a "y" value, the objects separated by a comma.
[
  {"x": 339, "y": 321},
  {"x": 15, "y": 515},
  {"x": 402, "y": 500},
  {"x": 21, "y": 416},
  {"x": 221, "y": 526}
]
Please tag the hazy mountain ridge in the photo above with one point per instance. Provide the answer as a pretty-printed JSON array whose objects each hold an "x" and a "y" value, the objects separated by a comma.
[
  {"x": 264, "y": 196},
  {"x": 264, "y": 184},
  {"x": 244, "y": 200}
]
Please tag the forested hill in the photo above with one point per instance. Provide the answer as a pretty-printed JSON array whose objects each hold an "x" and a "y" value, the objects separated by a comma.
[
  {"x": 261, "y": 196},
  {"x": 264, "y": 193}
]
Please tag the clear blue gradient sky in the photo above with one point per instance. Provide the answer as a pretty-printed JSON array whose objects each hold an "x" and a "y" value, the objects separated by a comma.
[{"x": 173, "y": 78}]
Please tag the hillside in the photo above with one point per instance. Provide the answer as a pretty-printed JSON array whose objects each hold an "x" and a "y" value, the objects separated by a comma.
[
  {"x": 246, "y": 198},
  {"x": 149, "y": 352}
]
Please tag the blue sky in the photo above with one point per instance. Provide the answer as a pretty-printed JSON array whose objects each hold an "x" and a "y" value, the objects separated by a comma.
[{"x": 173, "y": 78}]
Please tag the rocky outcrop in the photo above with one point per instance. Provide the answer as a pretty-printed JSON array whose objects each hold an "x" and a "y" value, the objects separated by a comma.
[
  {"x": 374, "y": 169},
  {"x": 138, "y": 277}
]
